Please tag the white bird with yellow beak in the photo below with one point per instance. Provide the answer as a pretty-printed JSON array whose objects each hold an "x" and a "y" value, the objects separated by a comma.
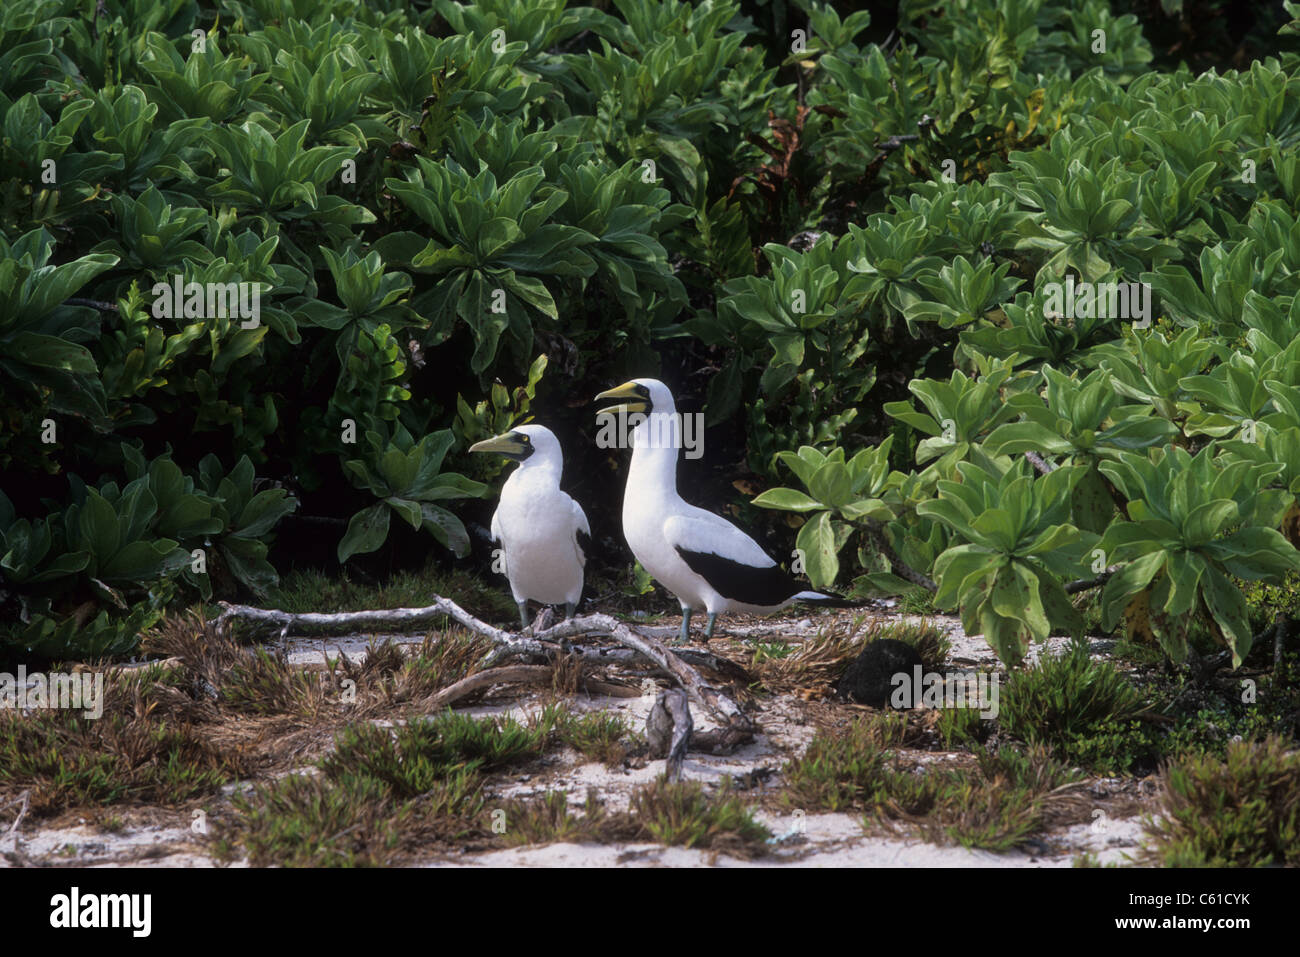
[
  {"x": 703, "y": 559},
  {"x": 542, "y": 532}
]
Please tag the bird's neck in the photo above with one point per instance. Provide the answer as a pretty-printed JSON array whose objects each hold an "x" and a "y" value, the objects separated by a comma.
[
  {"x": 653, "y": 472},
  {"x": 537, "y": 473}
]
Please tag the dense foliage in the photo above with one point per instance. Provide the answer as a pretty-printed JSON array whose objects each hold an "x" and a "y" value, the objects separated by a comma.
[{"x": 445, "y": 210}]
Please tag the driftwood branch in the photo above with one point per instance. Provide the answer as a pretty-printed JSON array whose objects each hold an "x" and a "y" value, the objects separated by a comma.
[
  {"x": 24, "y": 803},
  {"x": 316, "y": 624},
  {"x": 668, "y": 730},
  {"x": 282, "y": 624},
  {"x": 512, "y": 674},
  {"x": 735, "y": 726}
]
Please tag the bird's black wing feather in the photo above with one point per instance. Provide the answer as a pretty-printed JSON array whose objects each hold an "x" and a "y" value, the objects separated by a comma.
[
  {"x": 740, "y": 582},
  {"x": 584, "y": 544}
]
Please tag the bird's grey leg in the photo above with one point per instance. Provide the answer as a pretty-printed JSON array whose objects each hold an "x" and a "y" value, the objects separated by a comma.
[
  {"x": 686, "y": 625},
  {"x": 708, "y": 631},
  {"x": 523, "y": 615},
  {"x": 569, "y": 609}
]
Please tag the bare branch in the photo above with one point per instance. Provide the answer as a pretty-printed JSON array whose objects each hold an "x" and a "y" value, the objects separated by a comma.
[
  {"x": 1038, "y": 462},
  {"x": 668, "y": 730},
  {"x": 1083, "y": 584},
  {"x": 900, "y": 567},
  {"x": 895, "y": 142},
  {"x": 513, "y": 674},
  {"x": 92, "y": 303}
]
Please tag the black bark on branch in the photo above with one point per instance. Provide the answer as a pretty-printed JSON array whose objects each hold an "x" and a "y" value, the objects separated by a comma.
[
  {"x": 92, "y": 303},
  {"x": 895, "y": 142},
  {"x": 1083, "y": 584},
  {"x": 900, "y": 568}
]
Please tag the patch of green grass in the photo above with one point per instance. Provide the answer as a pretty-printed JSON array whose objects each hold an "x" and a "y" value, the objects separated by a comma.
[
  {"x": 1009, "y": 797},
  {"x": 310, "y": 821},
  {"x": 771, "y": 651},
  {"x": 1204, "y": 720},
  {"x": 1088, "y": 605},
  {"x": 962, "y": 727},
  {"x": 917, "y": 601},
  {"x": 414, "y": 758},
  {"x": 382, "y": 793},
  {"x": 1065, "y": 701},
  {"x": 265, "y": 683},
  {"x": 1239, "y": 811},
  {"x": 549, "y": 819},
  {"x": 1138, "y": 652},
  {"x": 67, "y": 760},
  {"x": 837, "y": 772},
  {"x": 1088, "y": 860},
  {"x": 599, "y": 736},
  {"x": 678, "y": 814},
  {"x": 1118, "y": 746},
  {"x": 684, "y": 814}
]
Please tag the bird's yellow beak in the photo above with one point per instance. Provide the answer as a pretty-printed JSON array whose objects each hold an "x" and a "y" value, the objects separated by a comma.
[
  {"x": 509, "y": 444},
  {"x": 638, "y": 400}
]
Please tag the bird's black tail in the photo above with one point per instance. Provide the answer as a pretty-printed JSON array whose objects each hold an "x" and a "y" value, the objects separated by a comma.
[{"x": 824, "y": 600}]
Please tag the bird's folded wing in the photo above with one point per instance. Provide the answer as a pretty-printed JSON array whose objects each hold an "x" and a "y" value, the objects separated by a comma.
[
  {"x": 582, "y": 532},
  {"x": 496, "y": 526},
  {"x": 729, "y": 560},
  {"x": 707, "y": 533}
]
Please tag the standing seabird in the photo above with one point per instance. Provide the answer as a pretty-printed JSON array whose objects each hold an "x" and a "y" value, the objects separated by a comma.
[
  {"x": 703, "y": 559},
  {"x": 542, "y": 532}
]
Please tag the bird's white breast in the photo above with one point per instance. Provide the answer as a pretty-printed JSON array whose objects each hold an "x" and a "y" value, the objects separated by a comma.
[
  {"x": 538, "y": 534},
  {"x": 643, "y": 527}
]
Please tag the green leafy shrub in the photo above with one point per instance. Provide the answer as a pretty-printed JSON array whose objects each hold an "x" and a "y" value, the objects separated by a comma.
[
  {"x": 1239, "y": 811},
  {"x": 847, "y": 249}
]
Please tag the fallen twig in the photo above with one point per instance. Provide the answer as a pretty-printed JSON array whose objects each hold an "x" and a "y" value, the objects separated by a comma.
[
  {"x": 512, "y": 674},
  {"x": 24, "y": 802},
  {"x": 736, "y": 725}
]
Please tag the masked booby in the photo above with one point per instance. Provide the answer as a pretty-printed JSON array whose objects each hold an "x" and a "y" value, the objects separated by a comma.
[
  {"x": 543, "y": 533},
  {"x": 708, "y": 563}
]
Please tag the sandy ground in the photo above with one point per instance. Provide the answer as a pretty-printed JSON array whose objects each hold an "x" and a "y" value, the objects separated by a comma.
[{"x": 800, "y": 840}]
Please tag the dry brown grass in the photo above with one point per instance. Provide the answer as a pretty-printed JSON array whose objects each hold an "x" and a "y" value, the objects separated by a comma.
[{"x": 816, "y": 664}]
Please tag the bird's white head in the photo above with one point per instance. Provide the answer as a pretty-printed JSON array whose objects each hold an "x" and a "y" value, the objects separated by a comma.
[
  {"x": 647, "y": 408},
  {"x": 647, "y": 396},
  {"x": 530, "y": 445}
]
